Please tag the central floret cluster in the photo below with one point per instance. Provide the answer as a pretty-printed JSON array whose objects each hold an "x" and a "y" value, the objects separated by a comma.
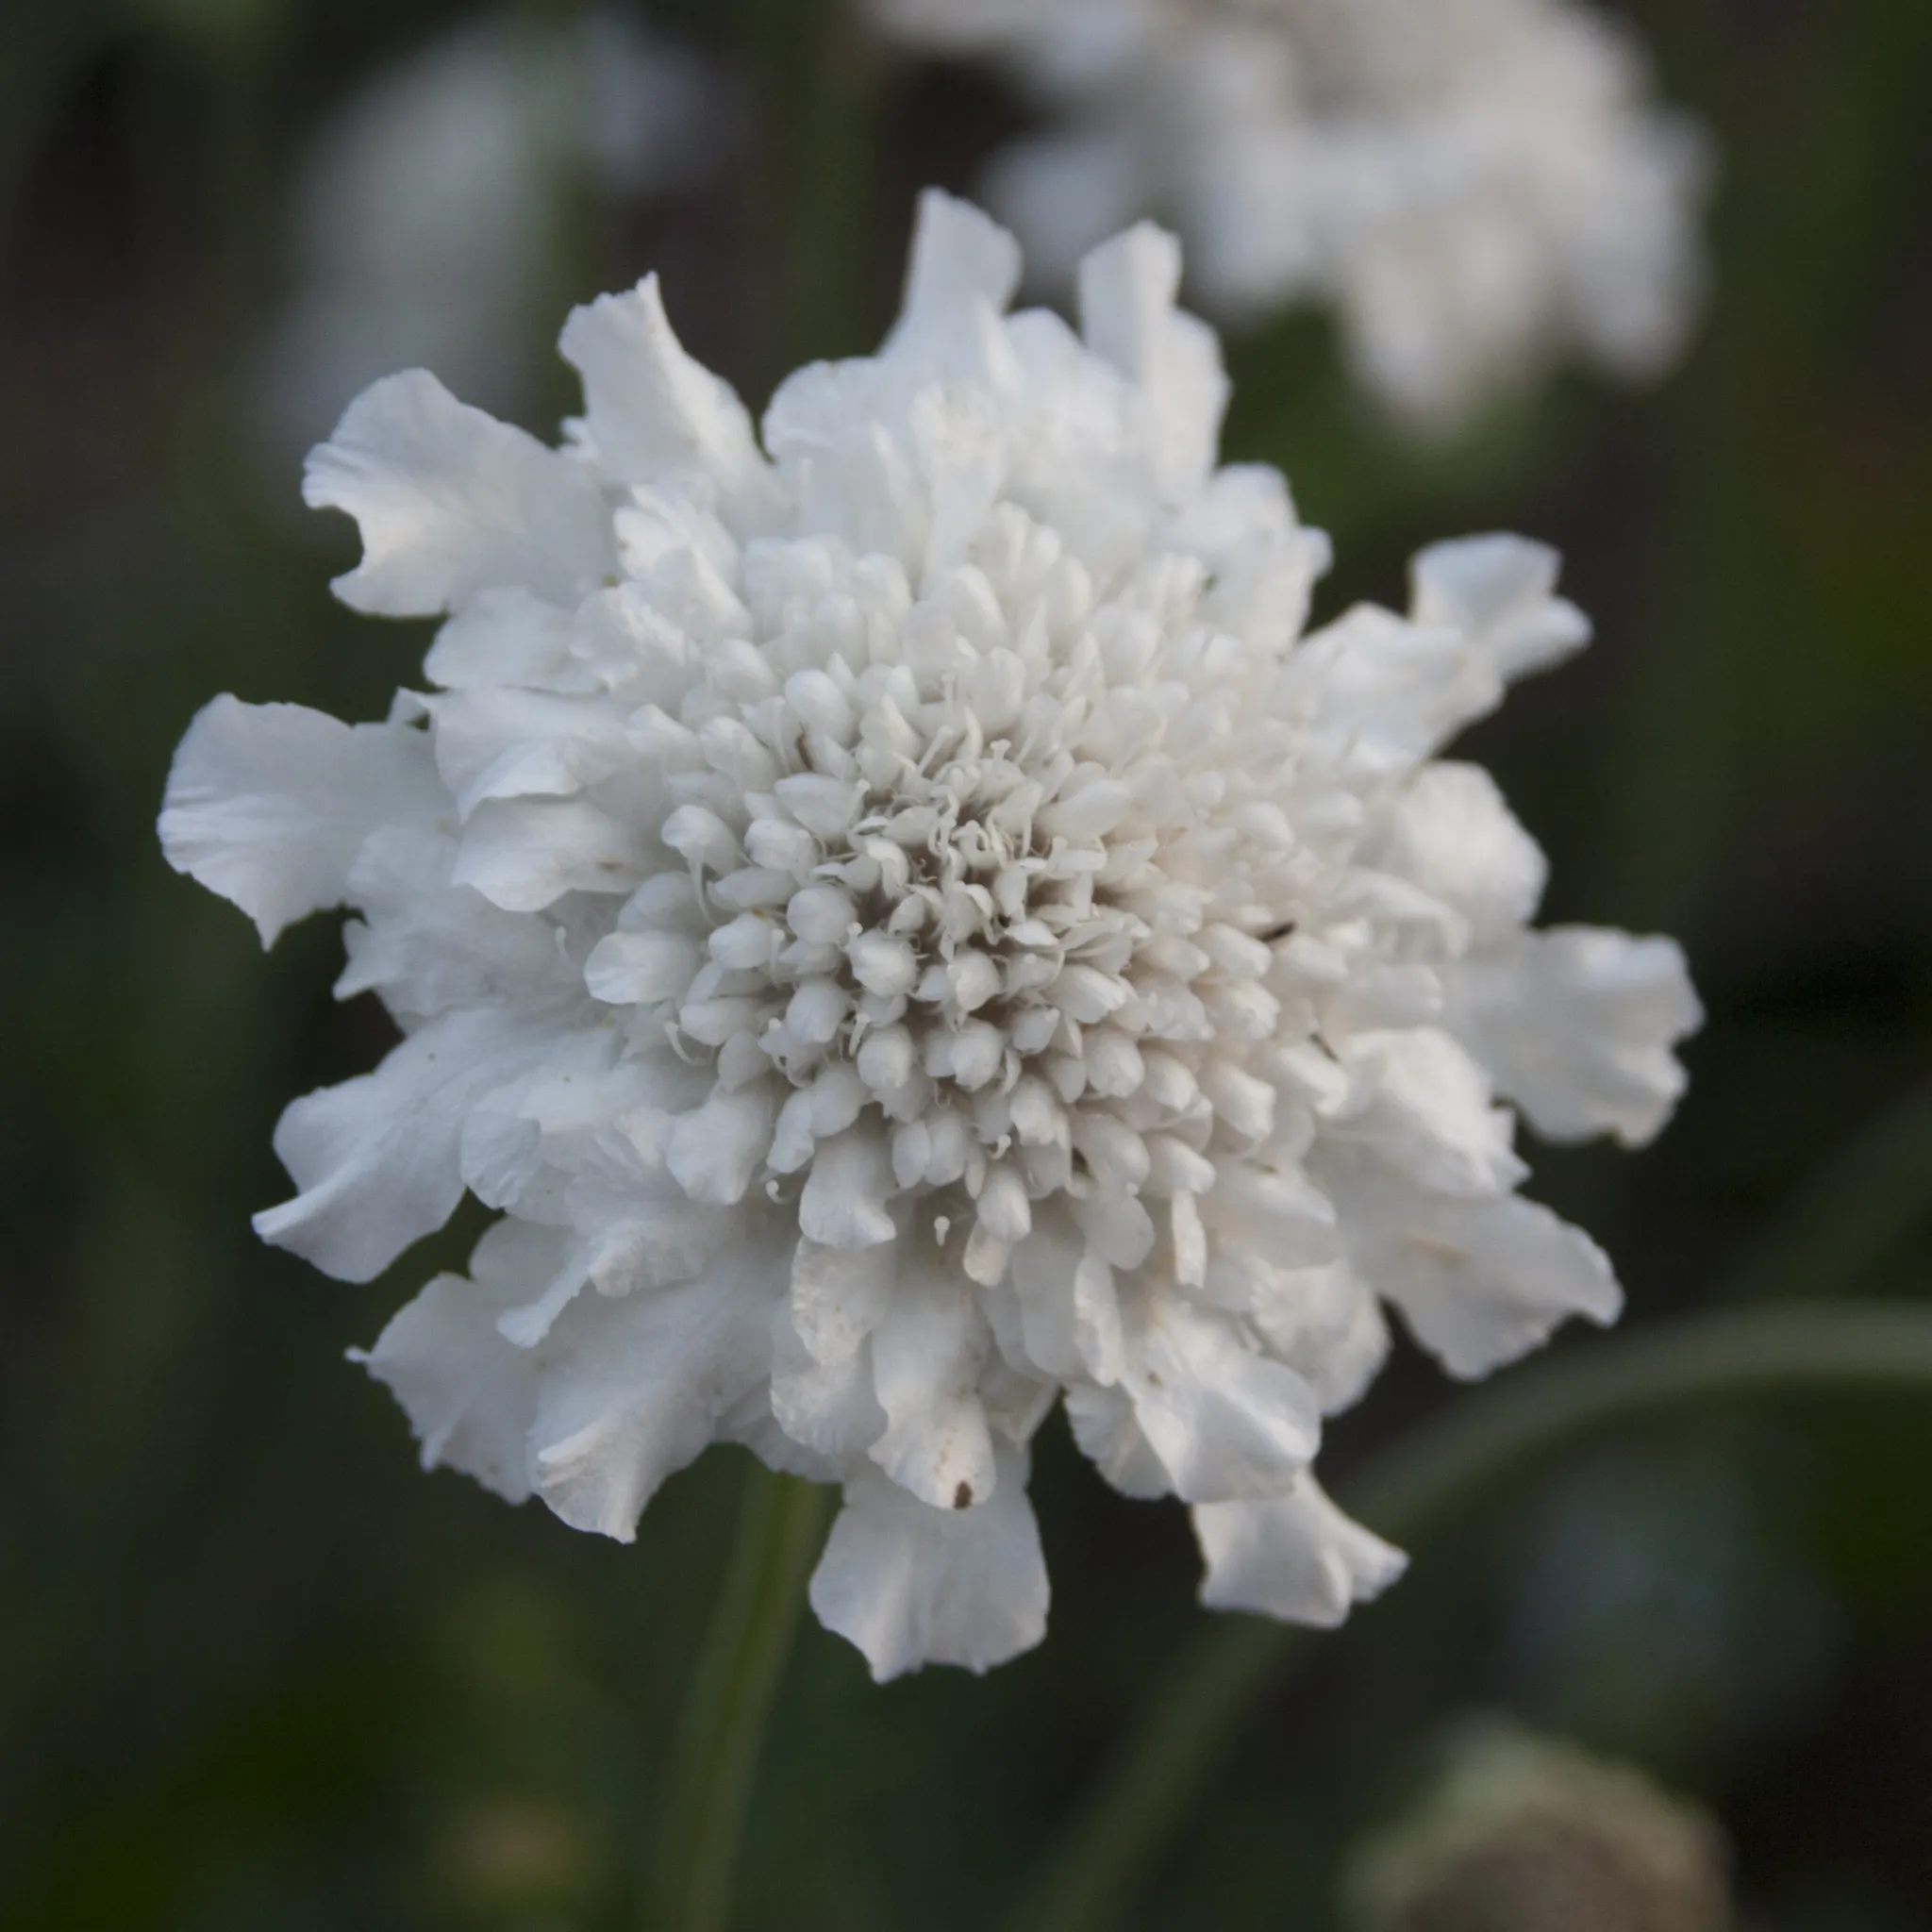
[
  {"x": 907, "y": 928},
  {"x": 971, "y": 928}
]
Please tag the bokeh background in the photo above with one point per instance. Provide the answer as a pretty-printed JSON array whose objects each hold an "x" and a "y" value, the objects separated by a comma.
[{"x": 256, "y": 1672}]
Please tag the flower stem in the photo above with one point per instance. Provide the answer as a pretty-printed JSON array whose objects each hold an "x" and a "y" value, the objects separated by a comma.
[
  {"x": 1412, "y": 1491},
  {"x": 815, "y": 213},
  {"x": 1849, "y": 1217},
  {"x": 715, "y": 1754}
]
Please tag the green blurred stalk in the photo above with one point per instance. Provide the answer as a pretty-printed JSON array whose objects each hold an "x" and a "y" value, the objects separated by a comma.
[
  {"x": 1418, "y": 1484},
  {"x": 812, "y": 218},
  {"x": 1851, "y": 1215},
  {"x": 714, "y": 1758},
  {"x": 1812, "y": 184}
]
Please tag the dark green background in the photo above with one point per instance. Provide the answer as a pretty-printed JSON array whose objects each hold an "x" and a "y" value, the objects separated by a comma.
[{"x": 255, "y": 1672}]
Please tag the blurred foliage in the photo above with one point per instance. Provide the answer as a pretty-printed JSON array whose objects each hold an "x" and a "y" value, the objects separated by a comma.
[{"x": 259, "y": 1672}]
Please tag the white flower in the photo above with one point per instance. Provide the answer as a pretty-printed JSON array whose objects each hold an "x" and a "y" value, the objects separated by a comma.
[
  {"x": 1523, "y": 1830},
  {"x": 1476, "y": 186},
  {"x": 431, "y": 207},
  {"x": 907, "y": 928}
]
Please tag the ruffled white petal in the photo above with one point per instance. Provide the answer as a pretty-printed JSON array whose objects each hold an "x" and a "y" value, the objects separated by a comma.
[
  {"x": 828, "y": 1410},
  {"x": 1484, "y": 1282},
  {"x": 1576, "y": 1025},
  {"x": 469, "y": 1395},
  {"x": 1500, "y": 592},
  {"x": 632, "y": 1389},
  {"x": 269, "y": 804},
  {"x": 1326, "y": 1326},
  {"x": 1225, "y": 1419},
  {"x": 840, "y": 1296},
  {"x": 926, "y": 1355},
  {"x": 1423, "y": 1106},
  {"x": 516, "y": 744},
  {"x": 525, "y": 854},
  {"x": 1395, "y": 690},
  {"x": 652, "y": 414},
  {"x": 1450, "y": 833},
  {"x": 1127, "y": 315},
  {"x": 1295, "y": 1556},
  {"x": 1108, "y": 1431},
  {"x": 452, "y": 503},
  {"x": 375, "y": 1159},
  {"x": 507, "y": 636},
  {"x": 1265, "y": 563},
  {"x": 911, "y": 1584},
  {"x": 426, "y": 945},
  {"x": 961, "y": 276}
]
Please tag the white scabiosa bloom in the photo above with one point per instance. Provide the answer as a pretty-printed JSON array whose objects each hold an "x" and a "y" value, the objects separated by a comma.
[
  {"x": 1476, "y": 186},
  {"x": 907, "y": 928}
]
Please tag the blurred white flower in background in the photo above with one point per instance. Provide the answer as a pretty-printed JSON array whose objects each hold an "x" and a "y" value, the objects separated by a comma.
[
  {"x": 1479, "y": 187},
  {"x": 1523, "y": 1832},
  {"x": 908, "y": 928},
  {"x": 430, "y": 214}
]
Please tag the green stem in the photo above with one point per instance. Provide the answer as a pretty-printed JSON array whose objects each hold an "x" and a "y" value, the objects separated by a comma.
[
  {"x": 815, "y": 179},
  {"x": 715, "y": 1754},
  {"x": 1515, "y": 1426},
  {"x": 1851, "y": 1215}
]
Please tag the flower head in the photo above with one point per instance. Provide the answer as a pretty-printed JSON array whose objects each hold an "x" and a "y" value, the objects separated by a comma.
[
  {"x": 1479, "y": 187},
  {"x": 1526, "y": 1834},
  {"x": 908, "y": 928}
]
